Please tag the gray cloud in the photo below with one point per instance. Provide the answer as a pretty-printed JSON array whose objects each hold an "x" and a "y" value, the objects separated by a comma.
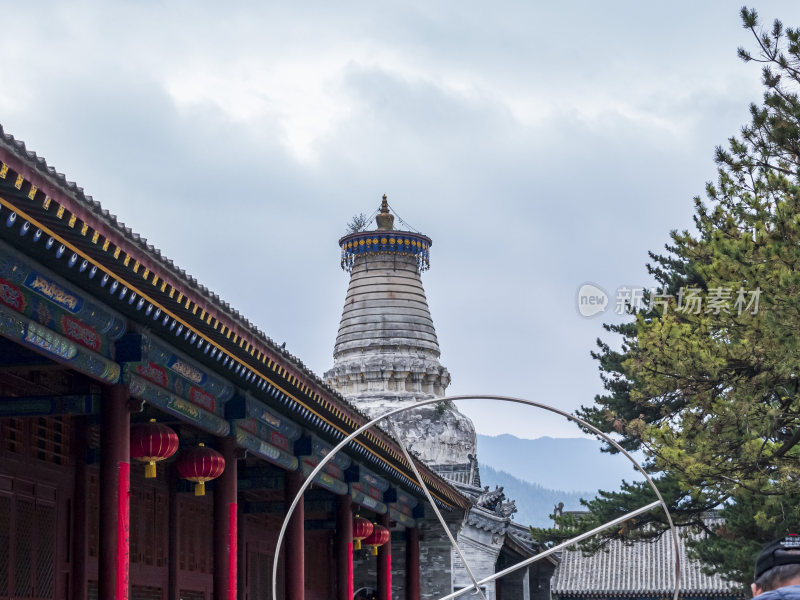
[{"x": 539, "y": 145}]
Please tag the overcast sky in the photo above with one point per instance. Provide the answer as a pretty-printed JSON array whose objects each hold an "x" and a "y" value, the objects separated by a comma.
[{"x": 540, "y": 146}]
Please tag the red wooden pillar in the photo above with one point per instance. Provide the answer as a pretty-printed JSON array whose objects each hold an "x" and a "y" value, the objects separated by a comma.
[
  {"x": 225, "y": 524},
  {"x": 295, "y": 540},
  {"x": 115, "y": 468},
  {"x": 344, "y": 547},
  {"x": 412, "y": 563},
  {"x": 385, "y": 563}
]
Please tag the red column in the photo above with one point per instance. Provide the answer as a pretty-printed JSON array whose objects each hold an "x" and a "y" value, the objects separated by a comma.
[
  {"x": 412, "y": 563},
  {"x": 385, "y": 564},
  {"x": 344, "y": 547},
  {"x": 114, "y": 494},
  {"x": 295, "y": 540},
  {"x": 225, "y": 524}
]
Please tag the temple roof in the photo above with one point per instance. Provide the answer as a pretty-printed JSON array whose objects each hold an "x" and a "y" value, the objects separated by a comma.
[
  {"x": 41, "y": 197},
  {"x": 639, "y": 569}
]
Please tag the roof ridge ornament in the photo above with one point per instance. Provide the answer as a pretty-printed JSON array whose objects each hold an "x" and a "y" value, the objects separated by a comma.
[{"x": 384, "y": 218}]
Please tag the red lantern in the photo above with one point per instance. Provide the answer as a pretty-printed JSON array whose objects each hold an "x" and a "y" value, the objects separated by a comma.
[
  {"x": 362, "y": 528},
  {"x": 379, "y": 536},
  {"x": 200, "y": 464},
  {"x": 152, "y": 442}
]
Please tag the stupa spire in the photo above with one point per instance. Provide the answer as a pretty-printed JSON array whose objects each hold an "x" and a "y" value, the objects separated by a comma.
[{"x": 384, "y": 218}]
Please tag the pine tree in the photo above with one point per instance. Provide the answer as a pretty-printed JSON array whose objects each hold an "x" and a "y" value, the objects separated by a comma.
[{"x": 712, "y": 397}]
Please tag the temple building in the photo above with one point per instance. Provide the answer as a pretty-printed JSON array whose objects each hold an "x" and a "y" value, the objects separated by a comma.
[
  {"x": 151, "y": 437},
  {"x": 635, "y": 571},
  {"x": 387, "y": 356}
]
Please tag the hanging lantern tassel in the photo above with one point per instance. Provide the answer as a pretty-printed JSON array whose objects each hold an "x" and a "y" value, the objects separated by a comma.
[
  {"x": 362, "y": 528},
  {"x": 200, "y": 464},
  {"x": 379, "y": 536},
  {"x": 152, "y": 442}
]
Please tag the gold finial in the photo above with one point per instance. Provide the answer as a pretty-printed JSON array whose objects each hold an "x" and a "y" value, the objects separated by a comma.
[{"x": 384, "y": 218}]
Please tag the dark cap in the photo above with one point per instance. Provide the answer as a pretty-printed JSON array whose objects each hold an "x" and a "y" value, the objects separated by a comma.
[{"x": 785, "y": 551}]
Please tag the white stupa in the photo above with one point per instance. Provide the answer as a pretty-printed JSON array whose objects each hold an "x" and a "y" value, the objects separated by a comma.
[{"x": 386, "y": 351}]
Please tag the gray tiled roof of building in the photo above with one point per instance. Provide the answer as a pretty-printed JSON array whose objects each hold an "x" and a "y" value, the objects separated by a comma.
[{"x": 636, "y": 569}]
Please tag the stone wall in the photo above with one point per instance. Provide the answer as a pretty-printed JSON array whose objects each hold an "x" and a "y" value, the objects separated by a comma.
[
  {"x": 435, "y": 555},
  {"x": 480, "y": 548}
]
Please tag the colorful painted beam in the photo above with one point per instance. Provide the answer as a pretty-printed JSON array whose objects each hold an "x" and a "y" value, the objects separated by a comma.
[
  {"x": 366, "y": 478},
  {"x": 172, "y": 370},
  {"x": 366, "y": 501},
  {"x": 402, "y": 518},
  {"x": 326, "y": 480},
  {"x": 31, "y": 406},
  {"x": 254, "y": 416},
  {"x": 313, "y": 447},
  {"x": 265, "y": 450},
  {"x": 19, "y": 328},
  {"x": 183, "y": 409},
  {"x": 47, "y": 299}
]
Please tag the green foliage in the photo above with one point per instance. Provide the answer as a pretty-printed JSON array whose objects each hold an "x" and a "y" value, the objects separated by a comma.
[
  {"x": 713, "y": 400},
  {"x": 358, "y": 223}
]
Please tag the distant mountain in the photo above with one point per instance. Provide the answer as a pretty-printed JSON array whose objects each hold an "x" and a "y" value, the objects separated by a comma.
[
  {"x": 534, "y": 503},
  {"x": 570, "y": 464}
]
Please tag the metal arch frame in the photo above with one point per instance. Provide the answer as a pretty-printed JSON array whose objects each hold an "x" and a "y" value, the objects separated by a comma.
[{"x": 475, "y": 588}]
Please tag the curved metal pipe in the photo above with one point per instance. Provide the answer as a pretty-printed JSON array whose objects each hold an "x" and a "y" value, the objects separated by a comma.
[{"x": 512, "y": 399}]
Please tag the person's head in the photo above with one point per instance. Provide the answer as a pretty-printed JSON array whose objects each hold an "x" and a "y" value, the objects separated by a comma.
[{"x": 777, "y": 565}]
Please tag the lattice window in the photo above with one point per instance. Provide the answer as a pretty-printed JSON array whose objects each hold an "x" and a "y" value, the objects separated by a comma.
[
  {"x": 23, "y": 567},
  {"x": 92, "y": 589},
  {"x": 135, "y": 537},
  {"x": 5, "y": 543},
  {"x": 192, "y": 595},
  {"x": 161, "y": 529},
  {"x": 45, "y": 550},
  {"x": 93, "y": 514},
  {"x": 205, "y": 538},
  {"x": 13, "y": 435},
  {"x": 259, "y": 574},
  {"x": 148, "y": 514},
  {"x": 144, "y": 592},
  {"x": 187, "y": 544},
  {"x": 196, "y": 537},
  {"x": 50, "y": 439},
  {"x": 27, "y": 548}
]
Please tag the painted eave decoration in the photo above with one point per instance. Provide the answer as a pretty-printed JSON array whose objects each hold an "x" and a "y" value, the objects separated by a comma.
[{"x": 385, "y": 242}]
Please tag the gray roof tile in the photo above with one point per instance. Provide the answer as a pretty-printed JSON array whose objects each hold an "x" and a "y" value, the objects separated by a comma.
[{"x": 641, "y": 567}]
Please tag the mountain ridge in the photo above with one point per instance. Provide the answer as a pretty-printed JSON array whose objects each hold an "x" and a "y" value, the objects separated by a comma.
[{"x": 568, "y": 464}]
